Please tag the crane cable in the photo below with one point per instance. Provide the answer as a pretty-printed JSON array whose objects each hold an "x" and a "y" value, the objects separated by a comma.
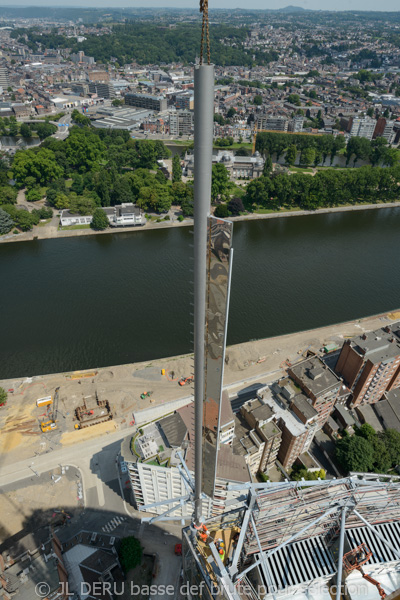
[{"x": 205, "y": 31}]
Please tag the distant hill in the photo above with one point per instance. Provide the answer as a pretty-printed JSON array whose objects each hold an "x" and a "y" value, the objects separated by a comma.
[{"x": 292, "y": 9}]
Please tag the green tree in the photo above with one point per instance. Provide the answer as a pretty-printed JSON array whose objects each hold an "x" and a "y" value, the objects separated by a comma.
[
  {"x": 25, "y": 130},
  {"x": 34, "y": 195},
  {"x": 257, "y": 100},
  {"x": 391, "y": 438},
  {"x": 355, "y": 453},
  {"x": 221, "y": 211},
  {"x": 219, "y": 182},
  {"x": 6, "y": 222},
  {"x": 294, "y": 99},
  {"x": 3, "y": 397},
  {"x": 8, "y": 195},
  {"x": 100, "y": 220},
  {"x": 307, "y": 156},
  {"x": 291, "y": 154},
  {"x": 267, "y": 168},
  {"x": 176, "y": 169},
  {"x": 130, "y": 553},
  {"x": 117, "y": 102}
]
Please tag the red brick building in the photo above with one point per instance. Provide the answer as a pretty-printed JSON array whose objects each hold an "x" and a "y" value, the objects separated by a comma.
[
  {"x": 370, "y": 365},
  {"x": 319, "y": 384}
]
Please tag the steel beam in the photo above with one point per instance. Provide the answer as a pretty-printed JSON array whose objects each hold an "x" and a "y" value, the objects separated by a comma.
[
  {"x": 235, "y": 559},
  {"x": 340, "y": 557},
  {"x": 377, "y": 534},
  {"x": 203, "y": 143},
  {"x": 289, "y": 540}
]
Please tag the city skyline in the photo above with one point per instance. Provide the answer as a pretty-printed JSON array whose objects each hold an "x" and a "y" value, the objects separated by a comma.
[{"x": 336, "y": 5}]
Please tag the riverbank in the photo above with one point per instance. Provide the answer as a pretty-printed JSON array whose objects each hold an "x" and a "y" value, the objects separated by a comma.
[
  {"x": 50, "y": 230},
  {"x": 250, "y": 363}
]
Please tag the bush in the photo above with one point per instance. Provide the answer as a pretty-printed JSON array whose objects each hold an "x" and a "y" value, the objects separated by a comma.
[
  {"x": 221, "y": 211},
  {"x": 6, "y": 222},
  {"x": 15, "y": 231},
  {"x": 130, "y": 553},
  {"x": 34, "y": 195},
  {"x": 166, "y": 218},
  {"x": 180, "y": 218},
  {"x": 3, "y": 397}
]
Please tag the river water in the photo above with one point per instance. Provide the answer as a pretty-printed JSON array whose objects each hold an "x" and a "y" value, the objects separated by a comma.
[{"x": 110, "y": 299}]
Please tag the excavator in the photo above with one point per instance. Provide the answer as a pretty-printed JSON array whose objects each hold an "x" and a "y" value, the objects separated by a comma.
[
  {"x": 355, "y": 559},
  {"x": 50, "y": 423}
]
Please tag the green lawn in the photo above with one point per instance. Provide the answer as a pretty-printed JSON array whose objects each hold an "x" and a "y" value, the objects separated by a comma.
[
  {"x": 301, "y": 169},
  {"x": 43, "y": 223},
  {"x": 69, "y": 227}
]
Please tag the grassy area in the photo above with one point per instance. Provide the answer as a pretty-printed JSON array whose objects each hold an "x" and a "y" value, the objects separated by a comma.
[
  {"x": 43, "y": 223},
  {"x": 301, "y": 169},
  {"x": 69, "y": 227}
]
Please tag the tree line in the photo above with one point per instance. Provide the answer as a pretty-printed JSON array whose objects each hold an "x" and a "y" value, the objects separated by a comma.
[
  {"x": 327, "y": 188},
  {"x": 315, "y": 149},
  {"x": 135, "y": 41}
]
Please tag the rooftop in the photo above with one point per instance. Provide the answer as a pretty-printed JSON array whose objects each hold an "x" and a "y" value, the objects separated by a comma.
[
  {"x": 378, "y": 346},
  {"x": 315, "y": 376}
]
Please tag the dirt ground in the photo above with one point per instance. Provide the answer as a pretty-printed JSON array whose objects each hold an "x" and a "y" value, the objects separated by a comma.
[{"x": 263, "y": 360}]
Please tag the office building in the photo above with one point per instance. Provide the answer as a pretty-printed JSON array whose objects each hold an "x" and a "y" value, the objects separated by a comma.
[
  {"x": 103, "y": 90},
  {"x": 319, "y": 383},
  {"x": 363, "y": 127},
  {"x": 296, "y": 124},
  {"x": 181, "y": 123},
  {"x": 370, "y": 365},
  {"x": 157, "y": 103}
]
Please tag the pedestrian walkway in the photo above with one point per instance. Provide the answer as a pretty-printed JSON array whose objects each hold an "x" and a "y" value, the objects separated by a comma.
[{"x": 113, "y": 524}]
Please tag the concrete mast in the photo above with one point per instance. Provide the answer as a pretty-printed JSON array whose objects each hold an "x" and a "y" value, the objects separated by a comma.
[{"x": 203, "y": 144}]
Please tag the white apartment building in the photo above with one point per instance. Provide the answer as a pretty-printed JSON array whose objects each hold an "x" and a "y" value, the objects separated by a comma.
[
  {"x": 363, "y": 127},
  {"x": 181, "y": 123}
]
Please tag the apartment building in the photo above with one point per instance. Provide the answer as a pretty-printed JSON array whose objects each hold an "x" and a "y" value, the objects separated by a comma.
[
  {"x": 273, "y": 123},
  {"x": 370, "y": 365},
  {"x": 181, "y": 123},
  {"x": 184, "y": 102},
  {"x": 4, "y": 78},
  {"x": 157, "y": 103},
  {"x": 257, "y": 436},
  {"x": 362, "y": 127},
  {"x": 295, "y": 416},
  {"x": 321, "y": 385},
  {"x": 154, "y": 466}
]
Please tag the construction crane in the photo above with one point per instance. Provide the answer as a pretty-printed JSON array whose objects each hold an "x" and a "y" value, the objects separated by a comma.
[
  {"x": 50, "y": 423},
  {"x": 355, "y": 559}
]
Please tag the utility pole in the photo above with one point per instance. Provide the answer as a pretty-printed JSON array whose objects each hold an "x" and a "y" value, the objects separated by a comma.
[{"x": 203, "y": 144}]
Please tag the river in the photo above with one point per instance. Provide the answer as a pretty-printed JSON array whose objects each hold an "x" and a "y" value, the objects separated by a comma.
[{"x": 120, "y": 298}]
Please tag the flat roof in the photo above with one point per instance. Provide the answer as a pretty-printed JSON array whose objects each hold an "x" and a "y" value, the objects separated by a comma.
[
  {"x": 377, "y": 346},
  {"x": 315, "y": 375},
  {"x": 174, "y": 429}
]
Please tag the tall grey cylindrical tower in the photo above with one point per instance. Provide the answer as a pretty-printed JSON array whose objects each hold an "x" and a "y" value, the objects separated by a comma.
[{"x": 203, "y": 145}]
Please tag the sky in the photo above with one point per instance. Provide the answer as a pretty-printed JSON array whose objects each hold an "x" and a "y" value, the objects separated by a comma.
[{"x": 383, "y": 5}]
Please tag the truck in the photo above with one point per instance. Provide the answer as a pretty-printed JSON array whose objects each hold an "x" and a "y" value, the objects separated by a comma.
[{"x": 44, "y": 401}]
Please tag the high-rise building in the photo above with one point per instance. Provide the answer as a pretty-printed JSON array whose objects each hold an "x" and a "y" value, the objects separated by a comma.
[
  {"x": 363, "y": 127},
  {"x": 4, "y": 79},
  {"x": 103, "y": 90},
  {"x": 321, "y": 385},
  {"x": 272, "y": 123},
  {"x": 370, "y": 365},
  {"x": 157, "y": 103},
  {"x": 181, "y": 122}
]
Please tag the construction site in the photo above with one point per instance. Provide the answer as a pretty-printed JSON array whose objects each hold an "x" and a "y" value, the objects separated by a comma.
[{"x": 139, "y": 393}]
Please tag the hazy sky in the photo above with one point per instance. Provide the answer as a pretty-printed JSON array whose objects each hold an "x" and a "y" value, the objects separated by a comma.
[{"x": 310, "y": 4}]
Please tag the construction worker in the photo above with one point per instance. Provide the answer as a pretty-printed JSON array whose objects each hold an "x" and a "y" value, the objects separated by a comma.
[{"x": 222, "y": 554}]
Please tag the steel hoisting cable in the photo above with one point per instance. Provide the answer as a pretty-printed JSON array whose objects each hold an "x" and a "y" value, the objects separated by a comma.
[{"x": 205, "y": 31}]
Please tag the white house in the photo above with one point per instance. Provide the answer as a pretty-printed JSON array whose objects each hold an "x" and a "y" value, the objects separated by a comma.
[{"x": 122, "y": 215}]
